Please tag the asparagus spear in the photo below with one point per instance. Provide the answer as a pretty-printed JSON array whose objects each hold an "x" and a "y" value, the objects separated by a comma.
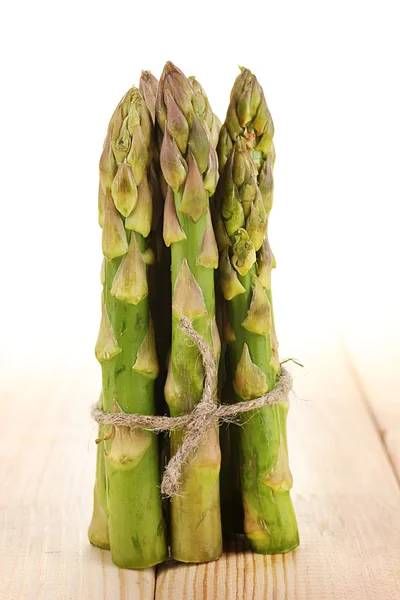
[
  {"x": 189, "y": 166},
  {"x": 98, "y": 528},
  {"x": 228, "y": 503},
  {"x": 125, "y": 346},
  {"x": 160, "y": 288},
  {"x": 160, "y": 295},
  {"x": 148, "y": 88},
  {"x": 244, "y": 200}
]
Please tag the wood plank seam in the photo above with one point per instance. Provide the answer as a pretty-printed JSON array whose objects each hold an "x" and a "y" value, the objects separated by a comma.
[{"x": 355, "y": 375}]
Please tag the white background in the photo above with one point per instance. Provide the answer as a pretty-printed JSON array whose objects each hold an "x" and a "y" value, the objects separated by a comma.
[{"x": 330, "y": 72}]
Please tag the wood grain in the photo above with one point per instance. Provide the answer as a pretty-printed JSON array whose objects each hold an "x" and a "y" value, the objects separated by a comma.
[
  {"x": 346, "y": 495},
  {"x": 47, "y": 465},
  {"x": 347, "y": 500},
  {"x": 375, "y": 366}
]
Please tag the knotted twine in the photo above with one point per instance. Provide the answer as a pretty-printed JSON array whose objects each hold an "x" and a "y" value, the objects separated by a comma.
[{"x": 201, "y": 419}]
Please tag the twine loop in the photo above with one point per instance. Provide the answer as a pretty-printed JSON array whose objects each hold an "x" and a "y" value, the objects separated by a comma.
[{"x": 201, "y": 419}]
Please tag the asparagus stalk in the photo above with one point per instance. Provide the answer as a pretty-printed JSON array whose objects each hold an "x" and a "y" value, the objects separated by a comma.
[
  {"x": 227, "y": 465},
  {"x": 160, "y": 289},
  {"x": 161, "y": 297},
  {"x": 125, "y": 346},
  {"x": 98, "y": 528},
  {"x": 189, "y": 166},
  {"x": 244, "y": 201}
]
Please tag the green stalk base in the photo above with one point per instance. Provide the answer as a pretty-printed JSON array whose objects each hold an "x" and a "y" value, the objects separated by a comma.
[
  {"x": 226, "y": 488},
  {"x": 196, "y": 532},
  {"x": 98, "y": 528},
  {"x": 197, "y": 513},
  {"x": 137, "y": 529},
  {"x": 269, "y": 518},
  {"x": 135, "y": 519}
]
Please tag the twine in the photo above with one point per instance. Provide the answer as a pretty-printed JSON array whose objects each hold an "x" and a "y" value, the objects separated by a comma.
[{"x": 201, "y": 419}]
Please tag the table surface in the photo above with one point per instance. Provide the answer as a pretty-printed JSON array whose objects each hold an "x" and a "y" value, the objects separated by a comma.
[{"x": 344, "y": 433}]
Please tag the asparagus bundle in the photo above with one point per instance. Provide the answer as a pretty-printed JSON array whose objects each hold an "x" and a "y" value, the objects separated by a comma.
[
  {"x": 127, "y": 500},
  {"x": 244, "y": 201},
  {"x": 158, "y": 174},
  {"x": 189, "y": 165}
]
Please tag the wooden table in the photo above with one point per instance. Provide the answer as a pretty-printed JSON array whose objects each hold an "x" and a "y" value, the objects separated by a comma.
[{"x": 344, "y": 434}]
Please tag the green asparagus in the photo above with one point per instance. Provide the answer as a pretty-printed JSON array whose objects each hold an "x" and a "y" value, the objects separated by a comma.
[
  {"x": 126, "y": 346},
  {"x": 243, "y": 203},
  {"x": 160, "y": 281},
  {"x": 189, "y": 166},
  {"x": 98, "y": 528}
]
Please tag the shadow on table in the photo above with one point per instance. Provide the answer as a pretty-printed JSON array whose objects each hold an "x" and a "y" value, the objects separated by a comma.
[{"x": 232, "y": 545}]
